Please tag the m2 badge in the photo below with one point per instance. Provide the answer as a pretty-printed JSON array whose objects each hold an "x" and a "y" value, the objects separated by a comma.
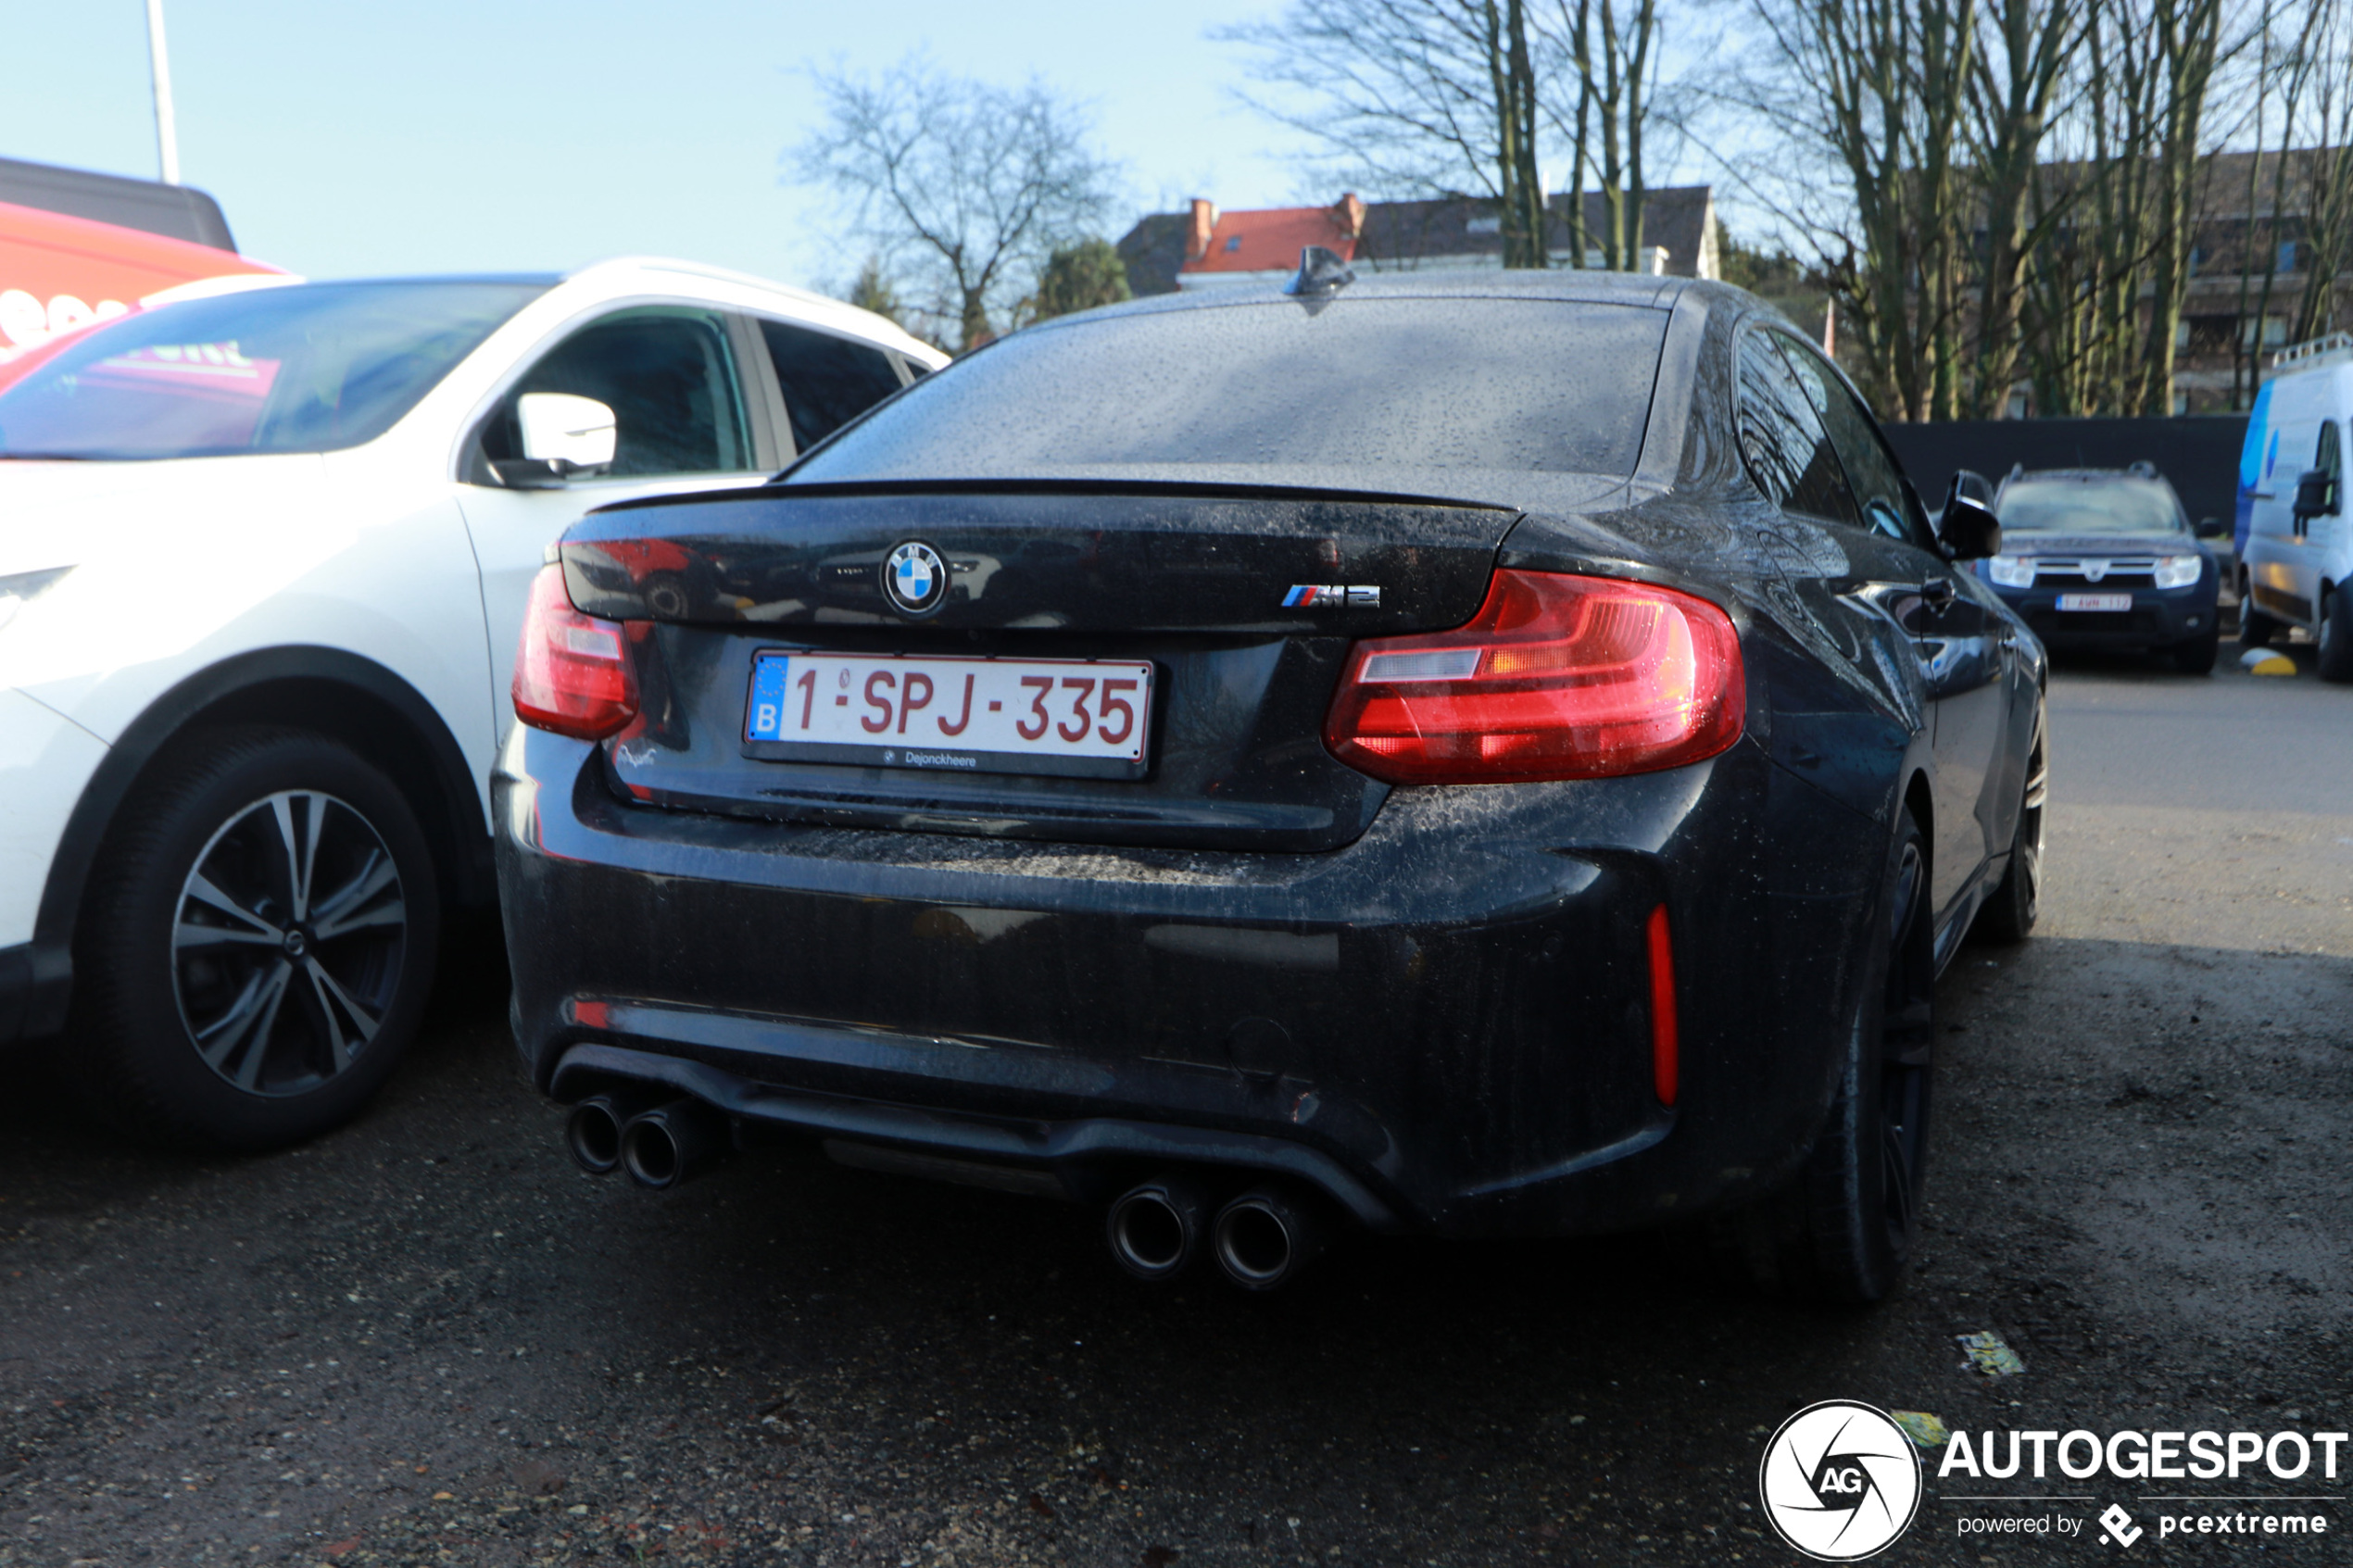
[{"x": 1333, "y": 596}]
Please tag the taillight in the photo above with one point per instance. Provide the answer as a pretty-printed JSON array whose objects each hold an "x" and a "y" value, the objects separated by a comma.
[
  {"x": 572, "y": 674},
  {"x": 1556, "y": 677}
]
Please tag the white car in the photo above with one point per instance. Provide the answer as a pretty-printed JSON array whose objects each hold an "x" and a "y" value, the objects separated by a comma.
[{"x": 264, "y": 558}]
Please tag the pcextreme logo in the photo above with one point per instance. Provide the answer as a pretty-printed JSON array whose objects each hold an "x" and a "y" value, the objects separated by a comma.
[{"x": 1840, "y": 1481}]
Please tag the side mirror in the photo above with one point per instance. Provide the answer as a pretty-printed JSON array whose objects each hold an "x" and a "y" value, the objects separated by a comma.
[
  {"x": 1969, "y": 528},
  {"x": 562, "y": 435},
  {"x": 2316, "y": 494},
  {"x": 2212, "y": 528}
]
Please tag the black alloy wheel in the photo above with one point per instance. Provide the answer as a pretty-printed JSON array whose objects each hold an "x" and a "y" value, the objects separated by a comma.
[
  {"x": 289, "y": 944},
  {"x": 1842, "y": 1229},
  {"x": 257, "y": 945},
  {"x": 2010, "y": 915},
  {"x": 1908, "y": 1038}
]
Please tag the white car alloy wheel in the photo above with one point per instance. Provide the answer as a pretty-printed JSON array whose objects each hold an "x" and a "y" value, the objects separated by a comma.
[{"x": 289, "y": 944}]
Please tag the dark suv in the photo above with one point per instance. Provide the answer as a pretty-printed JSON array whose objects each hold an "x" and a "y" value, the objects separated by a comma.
[{"x": 2106, "y": 558}]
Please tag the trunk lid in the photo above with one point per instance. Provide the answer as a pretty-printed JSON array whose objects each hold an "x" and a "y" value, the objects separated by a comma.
[{"x": 1244, "y": 604}]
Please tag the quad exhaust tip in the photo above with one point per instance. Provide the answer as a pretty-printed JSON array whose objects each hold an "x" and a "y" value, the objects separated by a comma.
[
  {"x": 1156, "y": 1227},
  {"x": 1263, "y": 1239},
  {"x": 663, "y": 1147},
  {"x": 593, "y": 1132}
]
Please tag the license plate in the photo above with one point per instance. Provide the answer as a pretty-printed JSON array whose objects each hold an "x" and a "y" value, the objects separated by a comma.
[
  {"x": 1082, "y": 717},
  {"x": 2096, "y": 601}
]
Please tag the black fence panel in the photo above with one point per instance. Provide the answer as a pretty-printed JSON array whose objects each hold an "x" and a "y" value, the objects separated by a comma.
[{"x": 2198, "y": 452}]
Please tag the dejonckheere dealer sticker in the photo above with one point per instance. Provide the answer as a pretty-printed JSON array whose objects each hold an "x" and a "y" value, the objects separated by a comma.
[{"x": 1840, "y": 1481}]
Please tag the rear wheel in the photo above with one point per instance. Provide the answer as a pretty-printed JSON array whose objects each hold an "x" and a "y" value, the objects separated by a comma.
[
  {"x": 1843, "y": 1229},
  {"x": 2336, "y": 663},
  {"x": 256, "y": 947},
  {"x": 2010, "y": 914}
]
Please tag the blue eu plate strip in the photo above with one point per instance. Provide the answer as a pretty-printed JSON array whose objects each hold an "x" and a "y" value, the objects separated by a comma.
[{"x": 766, "y": 720}]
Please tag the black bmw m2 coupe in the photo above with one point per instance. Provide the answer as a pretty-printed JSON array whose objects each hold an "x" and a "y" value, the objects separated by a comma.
[{"x": 1504, "y": 757}]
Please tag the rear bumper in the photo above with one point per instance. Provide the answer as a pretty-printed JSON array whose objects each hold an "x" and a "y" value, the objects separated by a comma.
[{"x": 1443, "y": 1026}]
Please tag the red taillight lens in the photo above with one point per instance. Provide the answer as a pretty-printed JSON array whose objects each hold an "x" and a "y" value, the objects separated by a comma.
[
  {"x": 1556, "y": 677},
  {"x": 572, "y": 674}
]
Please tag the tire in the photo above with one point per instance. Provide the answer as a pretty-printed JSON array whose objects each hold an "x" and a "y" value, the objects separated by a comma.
[
  {"x": 203, "y": 1018},
  {"x": 1842, "y": 1230},
  {"x": 2256, "y": 629},
  {"x": 2197, "y": 656},
  {"x": 2010, "y": 914},
  {"x": 2336, "y": 663}
]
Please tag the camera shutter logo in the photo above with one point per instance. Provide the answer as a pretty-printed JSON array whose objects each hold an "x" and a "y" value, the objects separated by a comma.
[
  {"x": 1840, "y": 1481},
  {"x": 915, "y": 578}
]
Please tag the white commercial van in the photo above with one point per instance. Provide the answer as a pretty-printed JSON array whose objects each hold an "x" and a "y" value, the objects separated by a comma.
[{"x": 2295, "y": 564}]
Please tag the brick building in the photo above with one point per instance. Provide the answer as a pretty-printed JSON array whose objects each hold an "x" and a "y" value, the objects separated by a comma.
[{"x": 1204, "y": 247}]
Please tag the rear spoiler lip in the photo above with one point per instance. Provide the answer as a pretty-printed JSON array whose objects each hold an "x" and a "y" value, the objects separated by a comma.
[{"x": 1204, "y": 490}]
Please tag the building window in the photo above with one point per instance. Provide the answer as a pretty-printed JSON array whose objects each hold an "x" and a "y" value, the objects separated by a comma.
[
  {"x": 1233, "y": 242},
  {"x": 2275, "y": 331},
  {"x": 2287, "y": 258}
]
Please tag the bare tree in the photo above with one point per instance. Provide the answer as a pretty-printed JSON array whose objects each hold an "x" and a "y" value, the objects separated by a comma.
[
  {"x": 2327, "y": 167},
  {"x": 1412, "y": 97},
  {"x": 1606, "y": 91},
  {"x": 2020, "y": 67},
  {"x": 1862, "y": 101},
  {"x": 2188, "y": 35},
  {"x": 966, "y": 186}
]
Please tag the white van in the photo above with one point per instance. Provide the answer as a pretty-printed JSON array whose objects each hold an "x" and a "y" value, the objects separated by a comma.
[{"x": 2295, "y": 564}]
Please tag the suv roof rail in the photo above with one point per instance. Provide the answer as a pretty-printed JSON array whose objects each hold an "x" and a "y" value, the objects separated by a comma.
[{"x": 2335, "y": 346}]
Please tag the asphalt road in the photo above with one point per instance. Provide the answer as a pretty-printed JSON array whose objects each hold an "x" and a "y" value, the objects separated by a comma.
[{"x": 427, "y": 1340}]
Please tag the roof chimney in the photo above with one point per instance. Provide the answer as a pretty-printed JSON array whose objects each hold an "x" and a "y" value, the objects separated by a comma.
[
  {"x": 1204, "y": 221},
  {"x": 1349, "y": 214}
]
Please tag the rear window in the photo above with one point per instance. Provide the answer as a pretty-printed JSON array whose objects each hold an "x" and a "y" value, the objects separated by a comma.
[
  {"x": 2069, "y": 506},
  {"x": 1514, "y": 385}
]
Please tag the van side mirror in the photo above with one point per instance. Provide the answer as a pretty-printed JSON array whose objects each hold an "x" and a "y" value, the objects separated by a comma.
[
  {"x": 2212, "y": 528},
  {"x": 2316, "y": 494},
  {"x": 1968, "y": 529},
  {"x": 561, "y": 435}
]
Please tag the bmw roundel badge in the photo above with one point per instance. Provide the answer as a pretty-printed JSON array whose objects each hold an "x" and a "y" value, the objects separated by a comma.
[{"x": 915, "y": 578}]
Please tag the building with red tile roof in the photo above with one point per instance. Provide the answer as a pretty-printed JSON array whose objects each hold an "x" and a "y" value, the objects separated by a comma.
[{"x": 1204, "y": 247}]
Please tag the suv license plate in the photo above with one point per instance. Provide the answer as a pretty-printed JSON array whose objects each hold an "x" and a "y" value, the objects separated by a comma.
[
  {"x": 2096, "y": 601},
  {"x": 1073, "y": 718}
]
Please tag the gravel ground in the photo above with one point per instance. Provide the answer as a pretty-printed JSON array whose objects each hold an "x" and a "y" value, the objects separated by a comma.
[{"x": 427, "y": 1340}]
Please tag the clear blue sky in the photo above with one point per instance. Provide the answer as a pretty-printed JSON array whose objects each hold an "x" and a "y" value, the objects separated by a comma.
[{"x": 347, "y": 137}]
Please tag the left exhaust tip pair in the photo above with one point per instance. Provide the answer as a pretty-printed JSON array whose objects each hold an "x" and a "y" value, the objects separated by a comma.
[
  {"x": 1261, "y": 1239},
  {"x": 659, "y": 1144}
]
